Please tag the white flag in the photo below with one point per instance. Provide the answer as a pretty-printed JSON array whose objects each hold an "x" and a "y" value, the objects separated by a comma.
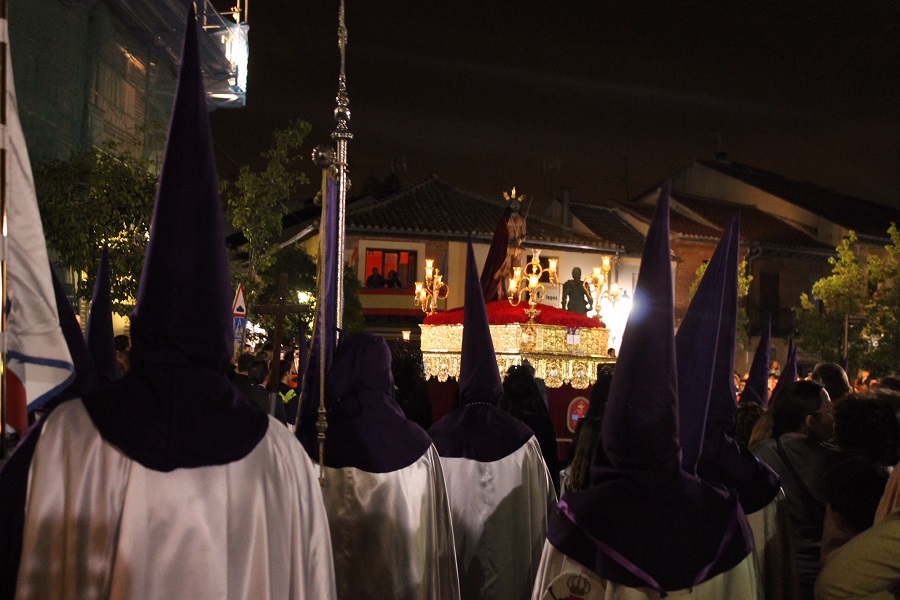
[{"x": 38, "y": 358}]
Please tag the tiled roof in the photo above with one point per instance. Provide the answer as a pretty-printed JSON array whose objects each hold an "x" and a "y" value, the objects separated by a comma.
[
  {"x": 862, "y": 216},
  {"x": 756, "y": 226},
  {"x": 679, "y": 225},
  {"x": 605, "y": 222},
  {"x": 434, "y": 207}
]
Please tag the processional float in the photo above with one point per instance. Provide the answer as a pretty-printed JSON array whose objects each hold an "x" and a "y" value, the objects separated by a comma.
[{"x": 563, "y": 347}]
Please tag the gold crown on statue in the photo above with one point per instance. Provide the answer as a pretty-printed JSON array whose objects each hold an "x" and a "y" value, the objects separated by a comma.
[{"x": 512, "y": 195}]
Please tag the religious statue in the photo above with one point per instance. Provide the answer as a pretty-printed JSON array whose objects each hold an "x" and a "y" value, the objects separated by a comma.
[
  {"x": 506, "y": 249},
  {"x": 575, "y": 297}
]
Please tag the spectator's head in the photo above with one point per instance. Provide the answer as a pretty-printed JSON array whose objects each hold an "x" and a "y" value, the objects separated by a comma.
[
  {"x": 854, "y": 487},
  {"x": 748, "y": 413},
  {"x": 521, "y": 396},
  {"x": 868, "y": 425},
  {"x": 244, "y": 361},
  {"x": 259, "y": 370},
  {"x": 803, "y": 407},
  {"x": 833, "y": 378},
  {"x": 586, "y": 445},
  {"x": 288, "y": 372},
  {"x": 576, "y": 273}
]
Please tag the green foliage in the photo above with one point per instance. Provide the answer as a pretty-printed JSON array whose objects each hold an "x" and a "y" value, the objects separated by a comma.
[
  {"x": 255, "y": 201},
  {"x": 862, "y": 292},
  {"x": 744, "y": 281},
  {"x": 255, "y": 205},
  {"x": 300, "y": 268},
  {"x": 100, "y": 195}
]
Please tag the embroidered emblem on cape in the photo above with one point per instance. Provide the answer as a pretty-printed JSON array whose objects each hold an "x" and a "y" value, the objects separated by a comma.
[{"x": 576, "y": 586}]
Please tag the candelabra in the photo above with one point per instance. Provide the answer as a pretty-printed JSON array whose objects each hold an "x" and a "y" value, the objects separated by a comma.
[
  {"x": 594, "y": 284},
  {"x": 432, "y": 289},
  {"x": 529, "y": 284}
]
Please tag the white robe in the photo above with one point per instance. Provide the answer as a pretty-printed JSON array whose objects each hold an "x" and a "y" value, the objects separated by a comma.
[
  {"x": 99, "y": 525},
  {"x": 568, "y": 577},
  {"x": 500, "y": 511},
  {"x": 391, "y": 532},
  {"x": 771, "y": 527}
]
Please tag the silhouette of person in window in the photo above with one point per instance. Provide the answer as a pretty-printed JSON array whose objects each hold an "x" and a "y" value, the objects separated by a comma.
[
  {"x": 393, "y": 280},
  {"x": 375, "y": 280}
]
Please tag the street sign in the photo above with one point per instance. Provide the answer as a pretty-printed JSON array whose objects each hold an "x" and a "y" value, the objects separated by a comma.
[
  {"x": 239, "y": 311},
  {"x": 239, "y": 307},
  {"x": 239, "y": 325}
]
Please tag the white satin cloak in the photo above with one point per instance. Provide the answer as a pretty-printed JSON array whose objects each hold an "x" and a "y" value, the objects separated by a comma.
[
  {"x": 391, "y": 532},
  {"x": 500, "y": 512},
  {"x": 568, "y": 577},
  {"x": 771, "y": 527},
  {"x": 99, "y": 525}
]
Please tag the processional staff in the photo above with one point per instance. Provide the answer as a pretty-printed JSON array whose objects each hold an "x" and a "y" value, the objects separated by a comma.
[{"x": 330, "y": 280}]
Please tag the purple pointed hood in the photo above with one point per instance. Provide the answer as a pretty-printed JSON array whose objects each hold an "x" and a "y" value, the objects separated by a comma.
[
  {"x": 478, "y": 428},
  {"x": 638, "y": 490},
  {"x": 757, "y": 387},
  {"x": 101, "y": 339},
  {"x": 697, "y": 345},
  {"x": 789, "y": 372},
  {"x": 366, "y": 427},
  {"x": 85, "y": 380},
  {"x": 478, "y": 382},
  {"x": 721, "y": 459},
  {"x": 176, "y": 408},
  {"x": 640, "y": 425}
]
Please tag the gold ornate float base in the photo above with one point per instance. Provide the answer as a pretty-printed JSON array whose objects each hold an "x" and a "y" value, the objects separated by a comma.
[{"x": 546, "y": 347}]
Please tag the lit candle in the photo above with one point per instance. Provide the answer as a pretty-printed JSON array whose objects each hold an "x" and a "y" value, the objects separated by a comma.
[
  {"x": 517, "y": 274},
  {"x": 429, "y": 268},
  {"x": 532, "y": 281},
  {"x": 596, "y": 272},
  {"x": 606, "y": 264},
  {"x": 513, "y": 285},
  {"x": 418, "y": 288},
  {"x": 536, "y": 255},
  {"x": 406, "y": 334},
  {"x": 552, "y": 262},
  {"x": 614, "y": 289}
]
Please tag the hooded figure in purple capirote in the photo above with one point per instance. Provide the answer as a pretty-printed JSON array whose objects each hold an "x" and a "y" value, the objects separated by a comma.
[
  {"x": 175, "y": 486},
  {"x": 100, "y": 335},
  {"x": 14, "y": 473},
  {"x": 757, "y": 387},
  {"x": 707, "y": 410},
  {"x": 645, "y": 527},
  {"x": 707, "y": 407},
  {"x": 382, "y": 483},
  {"x": 789, "y": 372},
  {"x": 500, "y": 490}
]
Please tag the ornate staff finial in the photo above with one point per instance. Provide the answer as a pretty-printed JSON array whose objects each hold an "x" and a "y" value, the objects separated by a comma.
[{"x": 342, "y": 111}]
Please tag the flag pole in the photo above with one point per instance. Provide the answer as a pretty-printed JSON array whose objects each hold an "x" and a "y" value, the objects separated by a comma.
[{"x": 3, "y": 237}]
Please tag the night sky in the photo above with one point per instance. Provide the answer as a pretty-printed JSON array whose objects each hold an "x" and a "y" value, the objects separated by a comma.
[{"x": 607, "y": 98}]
